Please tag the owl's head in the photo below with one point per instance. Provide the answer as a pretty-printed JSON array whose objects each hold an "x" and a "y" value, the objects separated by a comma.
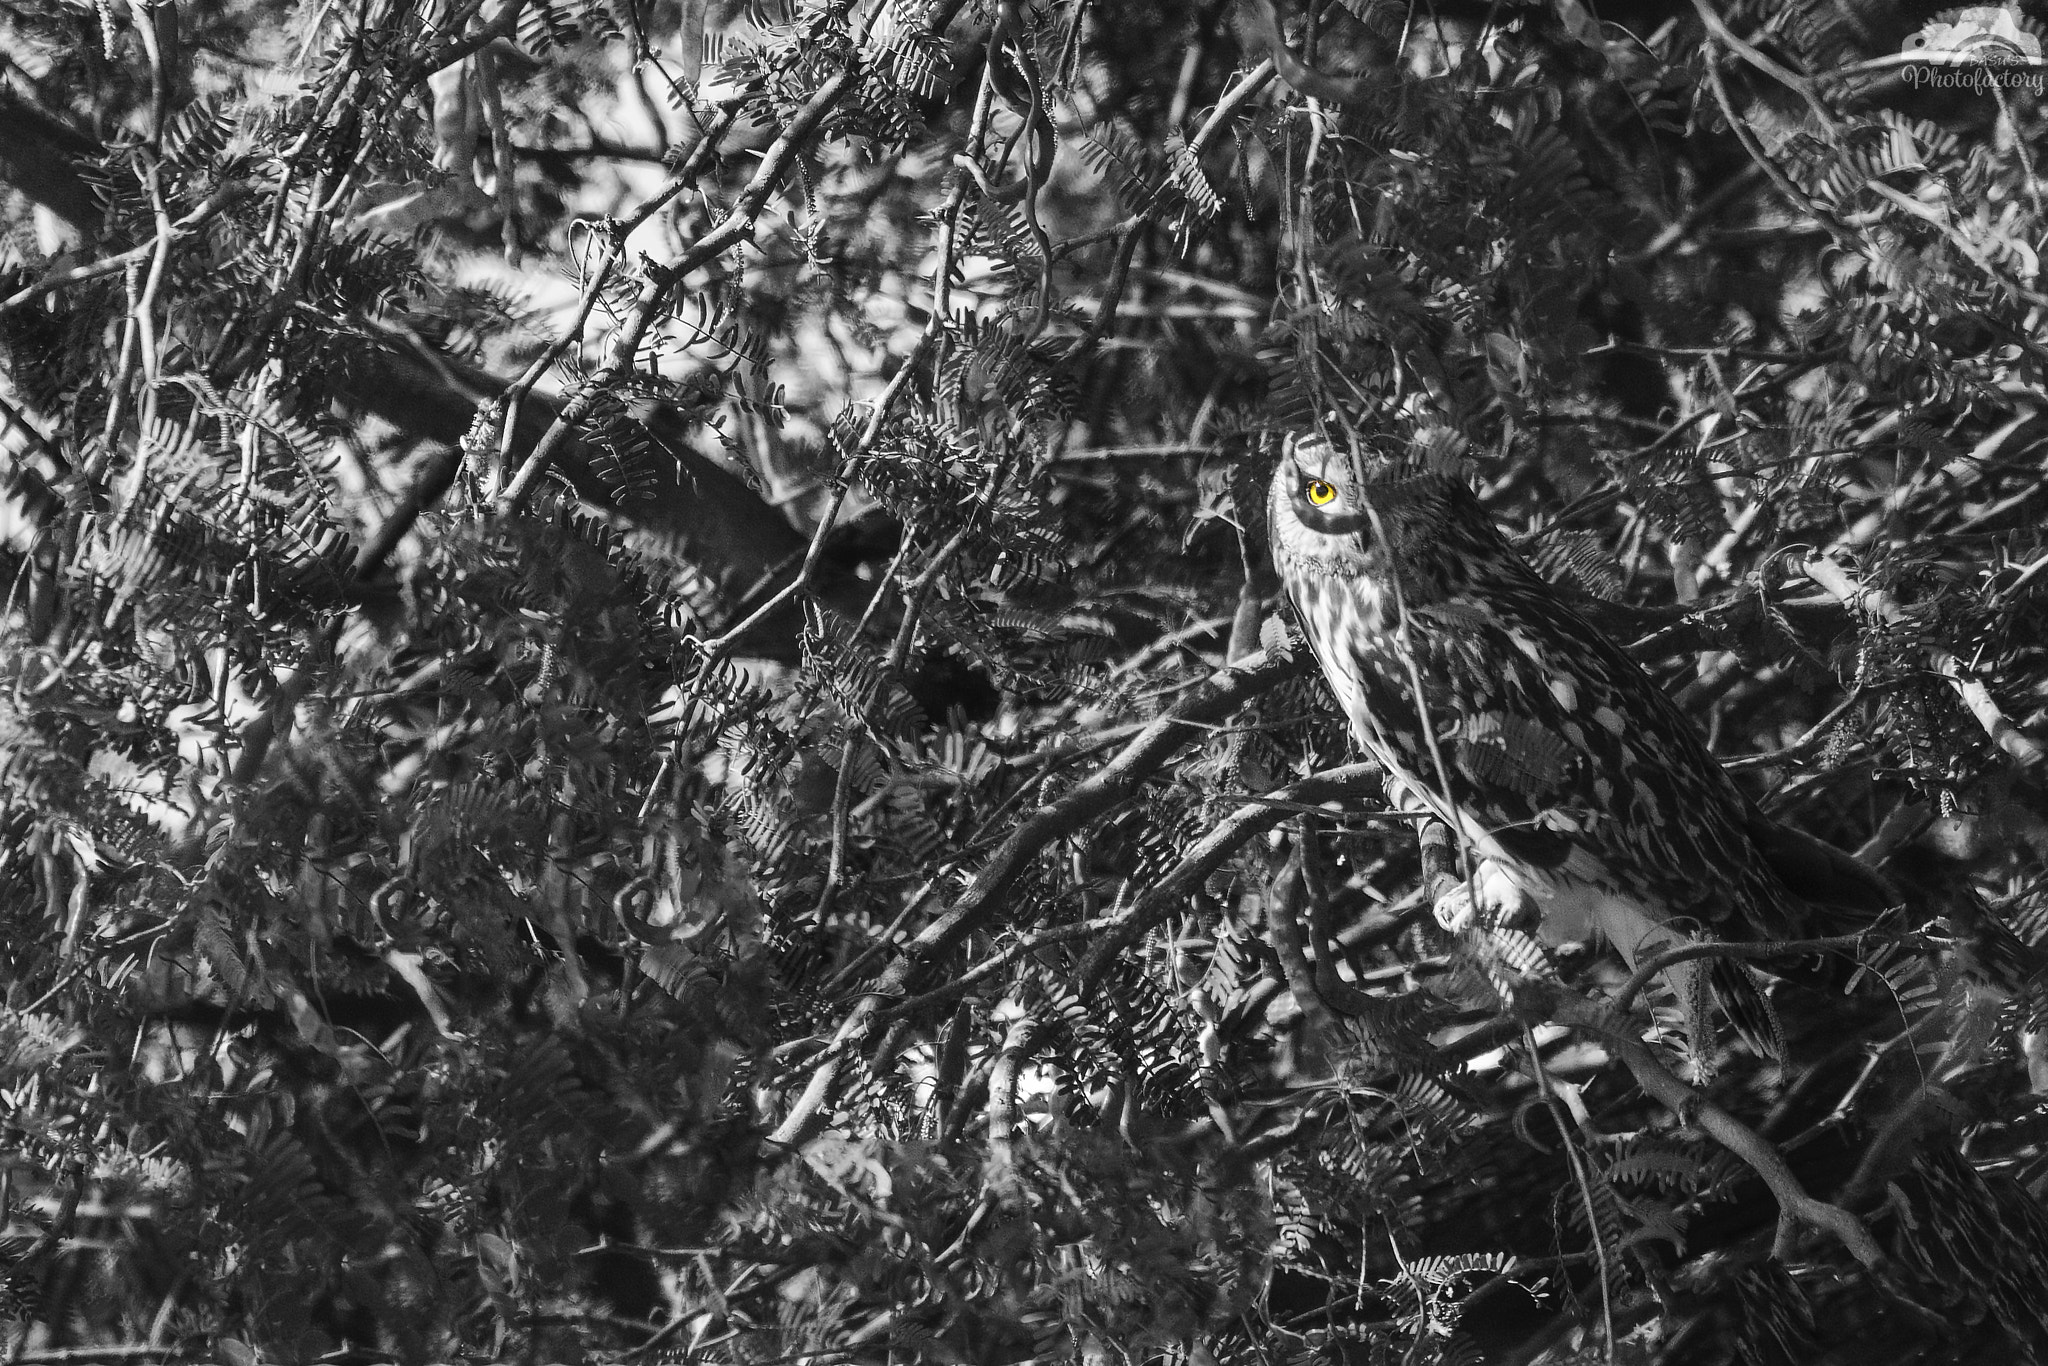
[{"x": 1355, "y": 516}]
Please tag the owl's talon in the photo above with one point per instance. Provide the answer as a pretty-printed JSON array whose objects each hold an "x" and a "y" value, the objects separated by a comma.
[
  {"x": 1487, "y": 901},
  {"x": 1520, "y": 914},
  {"x": 1456, "y": 910}
]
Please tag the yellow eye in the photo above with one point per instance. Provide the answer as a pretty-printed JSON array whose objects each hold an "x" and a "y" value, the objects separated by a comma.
[{"x": 1321, "y": 494}]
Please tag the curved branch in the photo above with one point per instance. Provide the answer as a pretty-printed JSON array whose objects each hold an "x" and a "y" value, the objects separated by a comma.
[
  {"x": 1663, "y": 1086},
  {"x": 1685, "y": 953}
]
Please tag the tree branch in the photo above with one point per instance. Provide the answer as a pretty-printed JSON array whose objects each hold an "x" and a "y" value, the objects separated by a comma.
[
  {"x": 735, "y": 227},
  {"x": 1789, "y": 948},
  {"x": 1878, "y": 605},
  {"x": 1171, "y": 892},
  {"x": 1662, "y": 1085},
  {"x": 40, "y": 156},
  {"x": 697, "y": 514},
  {"x": 1115, "y": 783}
]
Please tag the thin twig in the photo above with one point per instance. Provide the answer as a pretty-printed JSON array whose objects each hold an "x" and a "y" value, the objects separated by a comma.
[
  {"x": 617, "y": 231},
  {"x": 1757, "y": 58},
  {"x": 1745, "y": 135},
  {"x": 735, "y": 227},
  {"x": 1170, "y": 892},
  {"x": 225, "y": 197},
  {"x": 1582, "y": 1177},
  {"x": 716, "y": 650},
  {"x": 1879, "y": 606},
  {"x": 965, "y": 984},
  {"x": 1125, "y": 234}
]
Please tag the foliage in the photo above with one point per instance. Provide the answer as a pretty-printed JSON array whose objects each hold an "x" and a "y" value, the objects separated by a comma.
[{"x": 642, "y": 717}]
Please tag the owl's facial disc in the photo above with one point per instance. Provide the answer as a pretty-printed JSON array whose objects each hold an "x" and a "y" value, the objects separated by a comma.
[{"x": 1324, "y": 495}]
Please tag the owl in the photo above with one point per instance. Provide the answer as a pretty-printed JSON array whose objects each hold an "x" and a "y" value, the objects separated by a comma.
[{"x": 1579, "y": 790}]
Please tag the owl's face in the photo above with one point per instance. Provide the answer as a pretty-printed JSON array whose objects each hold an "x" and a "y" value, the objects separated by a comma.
[
  {"x": 1328, "y": 510},
  {"x": 1325, "y": 494},
  {"x": 1336, "y": 515}
]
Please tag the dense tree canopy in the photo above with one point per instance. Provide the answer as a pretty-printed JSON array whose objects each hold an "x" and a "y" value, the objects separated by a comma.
[{"x": 645, "y": 716}]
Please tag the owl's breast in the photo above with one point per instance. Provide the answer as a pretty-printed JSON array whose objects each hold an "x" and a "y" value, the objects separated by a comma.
[{"x": 1350, "y": 624}]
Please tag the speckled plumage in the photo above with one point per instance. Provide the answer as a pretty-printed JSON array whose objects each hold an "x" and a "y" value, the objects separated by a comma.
[{"x": 1573, "y": 777}]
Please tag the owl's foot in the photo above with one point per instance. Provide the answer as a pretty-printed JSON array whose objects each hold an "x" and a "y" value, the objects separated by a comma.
[
  {"x": 1488, "y": 900},
  {"x": 1455, "y": 910}
]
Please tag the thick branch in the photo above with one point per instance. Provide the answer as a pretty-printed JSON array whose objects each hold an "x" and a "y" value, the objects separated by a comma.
[
  {"x": 1790, "y": 948},
  {"x": 696, "y": 512},
  {"x": 39, "y": 156}
]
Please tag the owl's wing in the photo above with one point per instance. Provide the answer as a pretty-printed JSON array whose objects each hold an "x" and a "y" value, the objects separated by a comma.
[
  {"x": 1567, "y": 756},
  {"x": 1564, "y": 750},
  {"x": 1846, "y": 892}
]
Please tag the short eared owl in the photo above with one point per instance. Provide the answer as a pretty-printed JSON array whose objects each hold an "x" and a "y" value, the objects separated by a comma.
[{"x": 1577, "y": 785}]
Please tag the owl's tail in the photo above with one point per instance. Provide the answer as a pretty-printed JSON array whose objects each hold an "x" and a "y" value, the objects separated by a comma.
[
  {"x": 1697, "y": 983},
  {"x": 1740, "y": 993}
]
